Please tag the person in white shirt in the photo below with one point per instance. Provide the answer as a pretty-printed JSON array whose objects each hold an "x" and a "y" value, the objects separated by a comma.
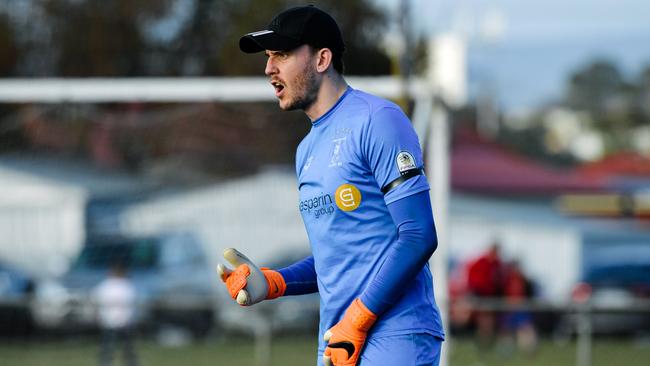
[{"x": 115, "y": 298}]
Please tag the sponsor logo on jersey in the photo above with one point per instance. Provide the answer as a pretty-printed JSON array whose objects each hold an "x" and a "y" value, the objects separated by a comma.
[
  {"x": 348, "y": 197},
  {"x": 405, "y": 161},
  {"x": 318, "y": 206}
]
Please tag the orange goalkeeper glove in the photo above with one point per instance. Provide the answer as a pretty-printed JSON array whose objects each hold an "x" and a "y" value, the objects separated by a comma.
[
  {"x": 248, "y": 284},
  {"x": 347, "y": 337}
]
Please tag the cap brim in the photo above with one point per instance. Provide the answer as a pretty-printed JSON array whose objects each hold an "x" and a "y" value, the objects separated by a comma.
[{"x": 266, "y": 40}]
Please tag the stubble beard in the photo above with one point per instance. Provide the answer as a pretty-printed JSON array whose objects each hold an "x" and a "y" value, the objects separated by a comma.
[{"x": 306, "y": 90}]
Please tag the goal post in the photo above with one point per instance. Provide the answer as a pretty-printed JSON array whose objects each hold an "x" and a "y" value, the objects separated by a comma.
[
  {"x": 152, "y": 90},
  {"x": 430, "y": 120}
]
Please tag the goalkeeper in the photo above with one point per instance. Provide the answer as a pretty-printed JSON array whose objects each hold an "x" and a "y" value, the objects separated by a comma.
[{"x": 364, "y": 201}]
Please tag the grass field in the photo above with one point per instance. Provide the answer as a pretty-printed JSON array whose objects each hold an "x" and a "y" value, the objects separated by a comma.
[{"x": 298, "y": 350}]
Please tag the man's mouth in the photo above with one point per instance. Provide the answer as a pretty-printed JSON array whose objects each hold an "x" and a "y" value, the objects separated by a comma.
[{"x": 279, "y": 87}]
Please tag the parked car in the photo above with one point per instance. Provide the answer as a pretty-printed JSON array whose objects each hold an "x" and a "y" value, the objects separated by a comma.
[
  {"x": 16, "y": 288},
  {"x": 174, "y": 282},
  {"x": 617, "y": 293},
  {"x": 616, "y": 287}
]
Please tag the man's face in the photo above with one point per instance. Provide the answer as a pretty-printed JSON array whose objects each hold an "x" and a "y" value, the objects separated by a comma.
[{"x": 294, "y": 77}]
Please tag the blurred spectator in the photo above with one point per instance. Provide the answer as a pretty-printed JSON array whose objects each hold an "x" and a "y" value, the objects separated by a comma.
[
  {"x": 115, "y": 297},
  {"x": 517, "y": 326},
  {"x": 484, "y": 280}
]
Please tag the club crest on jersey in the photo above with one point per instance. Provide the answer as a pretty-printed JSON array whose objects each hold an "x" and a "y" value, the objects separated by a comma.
[
  {"x": 340, "y": 138},
  {"x": 308, "y": 163},
  {"x": 405, "y": 161},
  {"x": 335, "y": 161}
]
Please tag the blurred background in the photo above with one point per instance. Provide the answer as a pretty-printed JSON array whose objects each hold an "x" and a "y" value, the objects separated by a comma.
[{"x": 136, "y": 133}]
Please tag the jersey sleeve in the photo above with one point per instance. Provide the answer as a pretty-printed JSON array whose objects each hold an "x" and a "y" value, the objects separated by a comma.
[
  {"x": 405, "y": 259},
  {"x": 300, "y": 277},
  {"x": 392, "y": 150}
]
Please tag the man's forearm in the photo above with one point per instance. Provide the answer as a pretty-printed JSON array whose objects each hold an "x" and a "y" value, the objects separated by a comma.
[
  {"x": 406, "y": 258},
  {"x": 300, "y": 277}
]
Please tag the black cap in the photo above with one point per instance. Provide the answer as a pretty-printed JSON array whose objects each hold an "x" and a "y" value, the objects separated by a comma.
[{"x": 295, "y": 27}]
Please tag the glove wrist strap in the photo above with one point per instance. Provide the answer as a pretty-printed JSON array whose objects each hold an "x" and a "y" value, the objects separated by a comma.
[
  {"x": 275, "y": 283},
  {"x": 360, "y": 316}
]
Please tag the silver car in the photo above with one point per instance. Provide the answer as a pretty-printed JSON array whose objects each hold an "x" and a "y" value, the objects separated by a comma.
[{"x": 174, "y": 283}]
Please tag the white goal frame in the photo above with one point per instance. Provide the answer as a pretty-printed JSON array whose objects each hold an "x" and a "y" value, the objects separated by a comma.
[{"x": 430, "y": 119}]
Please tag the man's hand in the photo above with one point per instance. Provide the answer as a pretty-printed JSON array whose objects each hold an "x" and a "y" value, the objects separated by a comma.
[
  {"x": 247, "y": 283},
  {"x": 347, "y": 337}
]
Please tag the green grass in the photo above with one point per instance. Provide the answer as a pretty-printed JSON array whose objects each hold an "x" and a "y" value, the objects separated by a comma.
[
  {"x": 605, "y": 352},
  {"x": 234, "y": 351},
  {"x": 301, "y": 350}
]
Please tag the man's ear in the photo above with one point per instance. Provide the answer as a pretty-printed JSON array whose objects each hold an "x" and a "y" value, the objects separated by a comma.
[{"x": 324, "y": 59}]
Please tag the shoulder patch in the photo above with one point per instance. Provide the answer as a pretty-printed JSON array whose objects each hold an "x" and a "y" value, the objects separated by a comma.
[{"x": 405, "y": 161}]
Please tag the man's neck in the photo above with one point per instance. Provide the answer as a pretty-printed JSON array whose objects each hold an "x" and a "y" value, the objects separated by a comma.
[{"x": 331, "y": 90}]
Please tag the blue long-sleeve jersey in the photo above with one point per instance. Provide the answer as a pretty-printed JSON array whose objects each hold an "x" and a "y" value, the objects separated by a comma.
[{"x": 364, "y": 202}]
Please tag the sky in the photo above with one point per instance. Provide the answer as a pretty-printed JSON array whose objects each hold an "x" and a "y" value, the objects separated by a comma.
[{"x": 525, "y": 49}]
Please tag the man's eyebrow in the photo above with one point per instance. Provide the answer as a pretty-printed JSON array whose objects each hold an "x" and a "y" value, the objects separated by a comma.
[{"x": 271, "y": 53}]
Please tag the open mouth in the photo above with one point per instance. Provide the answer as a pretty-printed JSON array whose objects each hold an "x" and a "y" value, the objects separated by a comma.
[{"x": 279, "y": 87}]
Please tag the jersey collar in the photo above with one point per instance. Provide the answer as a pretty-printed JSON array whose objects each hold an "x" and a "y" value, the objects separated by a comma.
[{"x": 334, "y": 107}]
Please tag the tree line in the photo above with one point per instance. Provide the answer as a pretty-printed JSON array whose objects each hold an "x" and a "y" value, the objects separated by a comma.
[{"x": 90, "y": 38}]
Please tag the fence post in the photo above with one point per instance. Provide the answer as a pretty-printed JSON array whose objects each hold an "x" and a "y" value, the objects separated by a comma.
[
  {"x": 262, "y": 333},
  {"x": 584, "y": 330}
]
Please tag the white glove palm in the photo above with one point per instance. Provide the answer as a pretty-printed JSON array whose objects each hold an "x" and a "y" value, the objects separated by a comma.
[{"x": 248, "y": 287}]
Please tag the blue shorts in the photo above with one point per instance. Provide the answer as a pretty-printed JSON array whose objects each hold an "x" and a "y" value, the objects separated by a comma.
[{"x": 419, "y": 349}]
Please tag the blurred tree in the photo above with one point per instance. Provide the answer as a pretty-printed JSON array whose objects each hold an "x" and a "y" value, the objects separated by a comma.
[
  {"x": 10, "y": 137},
  {"x": 101, "y": 38},
  {"x": 592, "y": 87},
  {"x": 164, "y": 37},
  {"x": 644, "y": 92},
  {"x": 220, "y": 38},
  {"x": 360, "y": 21},
  {"x": 188, "y": 40},
  {"x": 614, "y": 104},
  {"x": 118, "y": 38},
  {"x": 8, "y": 47},
  {"x": 363, "y": 25}
]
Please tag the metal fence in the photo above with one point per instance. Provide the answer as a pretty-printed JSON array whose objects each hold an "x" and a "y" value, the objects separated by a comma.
[{"x": 575, "y": 319}]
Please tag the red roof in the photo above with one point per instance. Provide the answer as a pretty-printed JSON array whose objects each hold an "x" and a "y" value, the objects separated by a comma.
[
  {"x": 481, "y": 166},
  {"x": 629, "y": 164}
]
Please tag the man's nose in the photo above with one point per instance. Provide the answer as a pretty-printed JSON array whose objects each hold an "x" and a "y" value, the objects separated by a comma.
[{"x": 270, "y": 67}]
